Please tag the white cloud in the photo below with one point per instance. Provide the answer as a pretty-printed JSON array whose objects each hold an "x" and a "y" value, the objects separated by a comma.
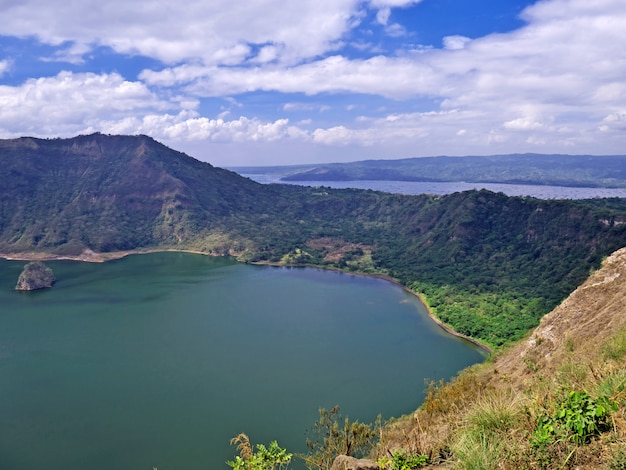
[
  {"x": 332, "y": 74},
  {"x": 614, "y": 122},
  {"x": 293, "y": 106},
  {"x": 522, "y": 124},
  {"x": 393, "y": 3},
  {"x": 455, "y": 42},
  {"x": 67, "y": 103},
  {"x": 5, "y": 66},
  {"x": 395, "y": 30},
  {"x": 383, "y": 15},
  {"x": 73, "y": 54},
  {"x": 575, "y": 63},
  {"x": 215, "y": 32},
  {"x": 218, "y": 130}
]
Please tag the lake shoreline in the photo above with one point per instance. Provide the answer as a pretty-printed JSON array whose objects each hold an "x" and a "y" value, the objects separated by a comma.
[
  {"x": 384, "y": 277},
  {"x": 90, "y": 256}
]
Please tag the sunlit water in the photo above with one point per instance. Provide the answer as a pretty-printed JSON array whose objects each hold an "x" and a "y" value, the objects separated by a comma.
[{"x": 157, "y": 360}]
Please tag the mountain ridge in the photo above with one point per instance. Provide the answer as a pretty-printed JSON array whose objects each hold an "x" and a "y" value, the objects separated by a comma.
[{"x": 606, "y": 171}]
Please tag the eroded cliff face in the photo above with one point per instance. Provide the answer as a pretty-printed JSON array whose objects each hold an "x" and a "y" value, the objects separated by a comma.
[{"x": 35, "y": 275}]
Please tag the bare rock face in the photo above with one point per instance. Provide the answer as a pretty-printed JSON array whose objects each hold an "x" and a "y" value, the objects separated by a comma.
[
  {"x": 343, "y": 462},
  {"x": 35, "y": 275}
]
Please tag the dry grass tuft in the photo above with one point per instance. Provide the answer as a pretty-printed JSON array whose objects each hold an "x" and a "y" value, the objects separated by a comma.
[{"x": 243, "y": 446}]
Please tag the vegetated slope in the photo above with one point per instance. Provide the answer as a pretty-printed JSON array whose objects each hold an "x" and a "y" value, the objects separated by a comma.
[
  {"x": 554, "y": 400},
  {"x": 111, "y": 193},
  {"x": 559, "y": 170},
  {"x": 489, "y": 265}
]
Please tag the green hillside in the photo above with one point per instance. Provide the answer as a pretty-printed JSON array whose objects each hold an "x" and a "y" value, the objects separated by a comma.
[{"x": 488, "y": 264}]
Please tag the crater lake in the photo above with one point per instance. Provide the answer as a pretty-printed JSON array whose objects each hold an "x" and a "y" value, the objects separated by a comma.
[{"x": 157, "y": 360}]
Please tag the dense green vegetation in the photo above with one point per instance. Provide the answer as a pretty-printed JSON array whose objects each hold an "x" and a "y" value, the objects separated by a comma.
[
  {"x": 558, "y": 170},
  {"x": 489, "y": 265}
]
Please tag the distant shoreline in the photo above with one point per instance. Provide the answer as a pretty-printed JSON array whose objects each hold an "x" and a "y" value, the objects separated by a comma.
[{"x": 90, "y": 256}]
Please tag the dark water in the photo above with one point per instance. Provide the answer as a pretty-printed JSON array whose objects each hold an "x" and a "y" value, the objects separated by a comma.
[
  {"x": 416, "y": 187},
  {"x": 157, "y": 360}
]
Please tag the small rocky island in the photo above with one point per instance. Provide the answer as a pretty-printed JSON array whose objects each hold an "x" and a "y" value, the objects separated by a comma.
[{"x": 35, "y": 275}]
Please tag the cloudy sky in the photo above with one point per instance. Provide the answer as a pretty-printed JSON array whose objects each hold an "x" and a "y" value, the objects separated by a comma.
[{"x": 245, "y": 82}]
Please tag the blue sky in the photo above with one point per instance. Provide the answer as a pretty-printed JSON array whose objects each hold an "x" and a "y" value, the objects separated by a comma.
[{"x": 258, "y": 82}]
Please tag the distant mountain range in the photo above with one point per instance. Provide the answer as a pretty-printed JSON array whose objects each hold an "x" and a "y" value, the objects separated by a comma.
[
  {"x": 556, "y": 170},
  {"x": 466, "y": 251}
]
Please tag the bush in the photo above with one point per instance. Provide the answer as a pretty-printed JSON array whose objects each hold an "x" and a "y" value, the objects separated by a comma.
[
  {"x": 402, "y": 461},
  {"x": 332, "y": 438},
  {"x": 265, "y": 458},
  {"x": 578, "y": 418}
]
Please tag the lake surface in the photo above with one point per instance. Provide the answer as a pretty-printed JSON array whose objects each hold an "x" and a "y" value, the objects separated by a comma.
[
  {"x": 417, "y": 187},
  {"x": 158, "y": 360}
]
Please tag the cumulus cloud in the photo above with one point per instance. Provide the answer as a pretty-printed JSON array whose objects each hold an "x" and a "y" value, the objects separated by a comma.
[
  {"x": 213, "y": 32},
  {"x": 188, "y": 127},
  {"x": 67, "y": 103},
  {"x": 572, "y": 61}
]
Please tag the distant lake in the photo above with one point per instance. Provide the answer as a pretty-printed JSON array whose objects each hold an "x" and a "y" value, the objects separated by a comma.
[
  {"x": 158, "y": 360},
  {"x": 414, "y": 187}
]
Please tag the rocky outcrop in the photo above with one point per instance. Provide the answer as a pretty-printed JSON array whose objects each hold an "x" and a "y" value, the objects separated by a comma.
[
  {"x": 343, "y": 462},
  {"x": 35, "y": 275}
]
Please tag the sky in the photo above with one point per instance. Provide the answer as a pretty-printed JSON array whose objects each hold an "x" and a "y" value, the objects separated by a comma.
[{"x": 262, "y": 82}]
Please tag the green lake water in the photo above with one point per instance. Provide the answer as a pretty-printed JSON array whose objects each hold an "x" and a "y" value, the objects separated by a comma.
[{"x": 158, "y": 360}]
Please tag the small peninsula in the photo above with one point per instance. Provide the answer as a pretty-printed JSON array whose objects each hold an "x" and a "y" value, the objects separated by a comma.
[{"x": 35, "y": 275}]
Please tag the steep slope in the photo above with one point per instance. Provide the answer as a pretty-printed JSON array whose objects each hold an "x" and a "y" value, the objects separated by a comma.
[
  {"x": 577, "y": 329},
  {"x": 111, "y": 193},
  {"x": 521, "y": 410}
]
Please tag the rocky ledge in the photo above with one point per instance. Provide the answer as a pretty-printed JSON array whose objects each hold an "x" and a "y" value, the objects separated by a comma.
[{"x": 35, "y": 275}]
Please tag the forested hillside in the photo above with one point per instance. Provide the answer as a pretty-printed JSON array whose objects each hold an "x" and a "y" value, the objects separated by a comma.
[{"x": 488, "y": 264}]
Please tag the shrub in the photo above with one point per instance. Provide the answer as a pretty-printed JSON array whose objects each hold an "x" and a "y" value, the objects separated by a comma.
[
  {"x": 578, "y": 418},
  {"x": 265, "y": 458},
  {"x": 332, "y": 438},
  {"x": 402, "y": 461}
]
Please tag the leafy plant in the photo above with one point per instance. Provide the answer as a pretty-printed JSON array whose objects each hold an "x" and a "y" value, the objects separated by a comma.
[
  {"x": 265, "y": 458},
  {"x": 402, "y": 461},
  {"x": 578, "y": 418}
]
